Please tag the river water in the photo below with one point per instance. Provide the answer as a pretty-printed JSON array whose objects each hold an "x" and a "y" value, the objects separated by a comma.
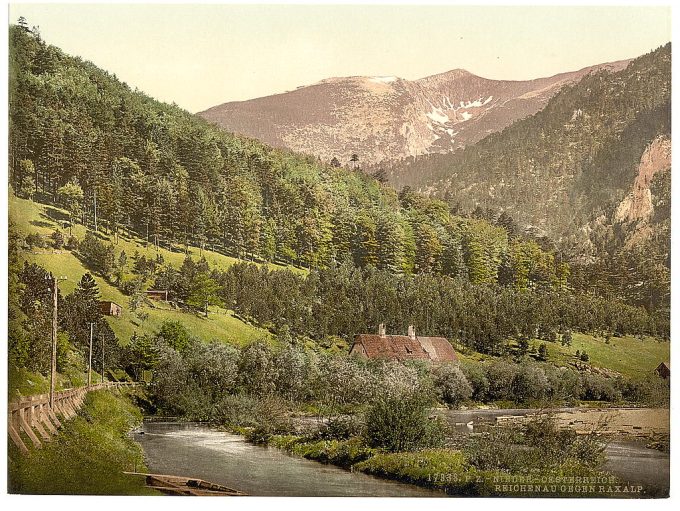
[
  {"x": 631, "y": 461},
  {"x": 196, "y": 450}
]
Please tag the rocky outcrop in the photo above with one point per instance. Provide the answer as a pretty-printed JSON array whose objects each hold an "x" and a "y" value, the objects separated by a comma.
[{"x": 638, "y": 205}]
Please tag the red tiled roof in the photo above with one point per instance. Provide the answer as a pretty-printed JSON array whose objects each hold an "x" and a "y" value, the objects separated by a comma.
[{"x": 402, "y": 347}]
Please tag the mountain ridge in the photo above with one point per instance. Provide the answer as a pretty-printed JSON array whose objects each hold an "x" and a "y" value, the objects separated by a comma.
[{"x": 387, "y": 118}]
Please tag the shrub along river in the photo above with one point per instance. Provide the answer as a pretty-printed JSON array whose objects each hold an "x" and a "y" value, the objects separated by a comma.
[{"x": 629, "y": 460}]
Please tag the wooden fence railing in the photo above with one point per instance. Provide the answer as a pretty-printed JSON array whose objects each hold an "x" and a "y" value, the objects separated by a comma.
[{"x": 33, "y": 414}]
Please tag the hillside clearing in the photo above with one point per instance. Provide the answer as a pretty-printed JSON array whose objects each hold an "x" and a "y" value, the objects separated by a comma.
[
  {"x": 221, "y": 325},
  {"x": 630, "y": 356}
]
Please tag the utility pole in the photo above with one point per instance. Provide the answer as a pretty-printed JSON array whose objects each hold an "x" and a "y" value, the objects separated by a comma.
[
  {"x": 89, "y": 364},
  {"x": 53, "y": 369},
  {"x": 95, "y": 210},
  {"x": 102, "y": 359}
]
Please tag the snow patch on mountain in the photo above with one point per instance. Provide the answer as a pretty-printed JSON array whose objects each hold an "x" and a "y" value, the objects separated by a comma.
[
  {"x": 438, "y": 115},
  {"x": 366, "y": 114},
  {"x": 475, "y": 103},
  {"x": 383, "y": 79}
]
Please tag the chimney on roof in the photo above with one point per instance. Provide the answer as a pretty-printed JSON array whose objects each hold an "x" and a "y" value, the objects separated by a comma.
[
  {"x": 412, "y": 332},
  {"x": 381, "y": 330}
]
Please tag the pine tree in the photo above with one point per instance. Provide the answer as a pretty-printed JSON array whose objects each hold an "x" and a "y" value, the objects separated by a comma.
[
  {"x": 71, "y": 195},
  {"x": 204, "y": 291},
  {"x": 428, "y": 249},
  {"x": 366, "y": 243}
]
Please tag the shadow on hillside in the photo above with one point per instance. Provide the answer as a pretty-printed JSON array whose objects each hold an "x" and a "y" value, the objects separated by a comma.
[
  {"x": 62, "y": 218},
  {"x": 41, "y": 223},
  {"x": 55, "y": 214},
  {"x": 100, "y": 236}
]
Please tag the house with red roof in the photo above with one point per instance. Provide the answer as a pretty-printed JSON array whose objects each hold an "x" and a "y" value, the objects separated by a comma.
[{"x": 403, "y": 347}]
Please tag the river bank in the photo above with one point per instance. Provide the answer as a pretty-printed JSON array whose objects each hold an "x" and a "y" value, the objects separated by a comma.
[
  {"x": 449, "y": 471},
  {"x": 621, "y": 422},
  {"x": 637, "y": 438},
  {"x": 629, "y": 434},
  {"x": 89, "y": 454}
]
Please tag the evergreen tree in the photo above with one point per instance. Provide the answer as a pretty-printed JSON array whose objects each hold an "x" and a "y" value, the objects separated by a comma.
[
  {"x": 204, "y": 291},
  {"x": 71, "y": 195}
]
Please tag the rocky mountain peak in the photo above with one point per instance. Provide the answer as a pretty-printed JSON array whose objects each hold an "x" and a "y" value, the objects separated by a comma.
[{"x": 387, "y": 118}]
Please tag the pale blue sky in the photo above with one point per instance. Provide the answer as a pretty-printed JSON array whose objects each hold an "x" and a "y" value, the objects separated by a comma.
[{"x": 202, "y": 55}]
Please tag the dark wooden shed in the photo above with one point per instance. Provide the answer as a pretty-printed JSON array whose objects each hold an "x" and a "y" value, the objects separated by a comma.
[
  {"x": 663, "y": 370},
  {"x": 157, "y": 294},
  {"x": 110, "y": 308}
]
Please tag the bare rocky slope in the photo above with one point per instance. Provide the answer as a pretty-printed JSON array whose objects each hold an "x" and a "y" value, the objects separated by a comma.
[{"x": 389, "y": 118}]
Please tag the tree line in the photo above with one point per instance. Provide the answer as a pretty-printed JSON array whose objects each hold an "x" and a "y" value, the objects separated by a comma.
[
  {"x": 344, "y": 300},
  {"x": 221, "y": 383}
]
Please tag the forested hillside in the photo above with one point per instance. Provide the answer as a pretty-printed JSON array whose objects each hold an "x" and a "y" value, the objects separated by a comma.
[
  {"x": 81, "y": 138},
  {"x": 130, "y": 170},
  {"x": 570, "y": 173}
]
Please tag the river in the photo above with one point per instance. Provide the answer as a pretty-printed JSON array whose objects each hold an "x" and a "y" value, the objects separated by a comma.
[{"x": 196, "y": 450}]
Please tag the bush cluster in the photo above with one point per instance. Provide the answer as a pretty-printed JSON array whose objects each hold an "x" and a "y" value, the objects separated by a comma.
[
  {"x": 501, "y": 380},
  {"x": 540, "y": 446}
]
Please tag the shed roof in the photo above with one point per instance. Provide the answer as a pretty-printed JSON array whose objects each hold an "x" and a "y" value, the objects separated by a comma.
[{"x": 109, "y": 302}]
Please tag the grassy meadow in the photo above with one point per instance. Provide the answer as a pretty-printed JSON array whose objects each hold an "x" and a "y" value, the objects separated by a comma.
[
  {"x": 630, "y": 356},
  {"x": 31, "y": 217}
]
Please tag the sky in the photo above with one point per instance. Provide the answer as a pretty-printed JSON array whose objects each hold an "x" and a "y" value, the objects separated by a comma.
[{"x": 200, "y": 56}]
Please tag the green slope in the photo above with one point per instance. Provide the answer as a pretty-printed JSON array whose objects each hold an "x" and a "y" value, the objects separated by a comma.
[
  {"x": 221, "y": 324},
  {"x": 630, "y": 356},
  {"x": 88, "y": 456}
]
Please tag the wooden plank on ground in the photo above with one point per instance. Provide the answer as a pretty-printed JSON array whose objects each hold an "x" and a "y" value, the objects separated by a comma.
[
  {"x": 45, "y": 419},
  {"x": 53, "y": 417},
  {"x": 39, "y": 428}
]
